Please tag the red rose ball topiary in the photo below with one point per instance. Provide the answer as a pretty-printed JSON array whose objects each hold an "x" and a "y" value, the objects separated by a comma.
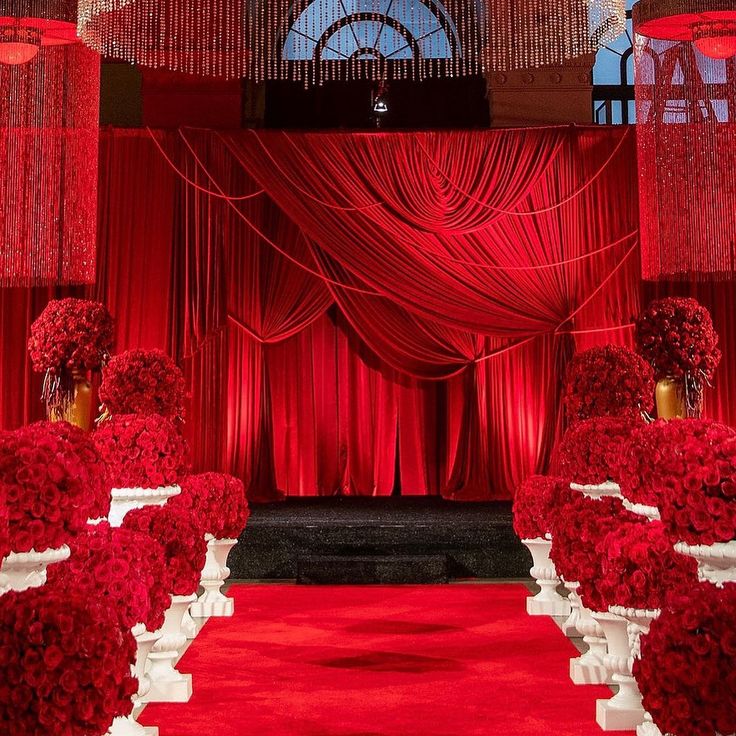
[
  {"x": 534, "y": 505},
  {"x": 608, "y": 381},
  {"x": 65, "y": 664}
]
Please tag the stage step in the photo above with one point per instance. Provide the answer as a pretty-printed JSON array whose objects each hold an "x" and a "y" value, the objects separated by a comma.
[{"x": 371, "y": 569}]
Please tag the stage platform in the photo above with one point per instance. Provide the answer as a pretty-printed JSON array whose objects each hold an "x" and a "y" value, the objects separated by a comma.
[{"x": 379, "y": 540}]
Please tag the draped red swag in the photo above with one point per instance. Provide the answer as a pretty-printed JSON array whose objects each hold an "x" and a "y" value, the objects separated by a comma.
[{"x": 366, "y": 313}]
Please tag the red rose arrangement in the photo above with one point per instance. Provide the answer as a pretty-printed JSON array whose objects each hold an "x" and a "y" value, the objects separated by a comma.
[
  {"x": 676, "y": 336},
  {"x": 578, "y": 528},
  {"x": 143, "y": 382},
  {"x": 179, "y": 532},
  {"x": 124, "y": 569},
  {"x": 4, "y": 529},
  {"x": 534, "y": 503},
  {"x": 96, "y": 476},
  {"x": 687, "y": 670},
  {"x": 590, "y": 451},
  {"x": 70, "y": 336},
  {"x": 640, "y": 568},
  {"x": 696, "y": 482},
  {"x": 608, "y": 381},
  {"x": 45, "y": 485},
  {"x": 64, "y": 664},
  {"x": 141, "y": 451},
  {"x": 218, "y": 502}
]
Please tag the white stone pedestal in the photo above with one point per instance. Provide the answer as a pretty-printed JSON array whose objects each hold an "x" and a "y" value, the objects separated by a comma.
[
  {"x": 168, "y": 685},
  {"x": 569, "y": 627},
  {"x": 590, "y": 668},
  {"x": 213, "y": 602},
  {"x": 624, "y": 711},
  {"x": 24, "y": 570},
  {"x": 548, "y": 602},
  {"x": 127, "y": 499}
]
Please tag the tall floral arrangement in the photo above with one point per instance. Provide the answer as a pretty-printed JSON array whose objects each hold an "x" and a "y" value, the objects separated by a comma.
[
  {"x": 640, "y": 568},
  {"x": 697, "y": 483},
  {"x": 687, "y": 670},
  {"x": 124, "y": 569},
  {"x": 676, "y": 336},
  {"x": 590, "y": 452},
  {"x": 143, "y": 382},
  {"x": 70, "y": 337},
  {"x": 44, "y": 480},
  {"x": 218, "y": 502},
  {"x": 179, "y": 532},
  {"x": 142, "y": 451},
  {"x": 608, "y": 381},
  {"x": 65, "y": 664},
  {"x": 534, "y": 505}
]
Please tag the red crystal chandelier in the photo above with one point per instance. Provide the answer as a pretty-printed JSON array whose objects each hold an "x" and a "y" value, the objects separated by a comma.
[
  {"x": 685, "y": 77},
  {"x": 49, "y": 113}
]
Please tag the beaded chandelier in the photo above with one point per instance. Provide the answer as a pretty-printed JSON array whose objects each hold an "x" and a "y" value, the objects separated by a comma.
[
  {"x": 685, "y": 77},
  {"x": 49, "y": 113}
]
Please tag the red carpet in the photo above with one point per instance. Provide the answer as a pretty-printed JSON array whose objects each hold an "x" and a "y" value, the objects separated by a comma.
[{"x": 372, "y": 661}]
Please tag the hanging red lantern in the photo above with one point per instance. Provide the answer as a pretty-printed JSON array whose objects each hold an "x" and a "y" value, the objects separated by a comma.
[
  {"x": 49, "y": 125},
  {"x": 685, "y": 78}
]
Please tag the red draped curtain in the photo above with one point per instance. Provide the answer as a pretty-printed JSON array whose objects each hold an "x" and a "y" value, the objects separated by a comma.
[{"x": 366, "y": 313}]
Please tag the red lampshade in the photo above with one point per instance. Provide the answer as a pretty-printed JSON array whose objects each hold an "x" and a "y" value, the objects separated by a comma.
[{"x": 717, "y": 40}]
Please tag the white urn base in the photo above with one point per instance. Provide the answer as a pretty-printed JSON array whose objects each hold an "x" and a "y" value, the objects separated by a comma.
[
  {"x": 24, "y": 570},
  {"x": 126, "y": 499},
  {"x": 590, "y": 667},
  {"x": 168, "y": 685},
  {"x": 648, "y": 728},
  {"x": 548, "y": 602},
  {"x": 569, "y": 627},
  {"x": 213, "y": 602},
  {"x": 624, "y": 711}
]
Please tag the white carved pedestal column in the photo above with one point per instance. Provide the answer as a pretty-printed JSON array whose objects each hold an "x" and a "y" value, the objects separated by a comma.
[
  {"x": 569, "y": 627},
  {"x": 213, "y": 602},
  {"x": 168, "y": 685},
  {"x": 590, "y": 668},
  {"x": 548, "y": 602}
]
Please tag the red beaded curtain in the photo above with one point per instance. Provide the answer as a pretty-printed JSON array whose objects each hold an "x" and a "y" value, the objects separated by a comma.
[
  {"x": 686, "y": 115},
  {"x": 49, "y": 113}
]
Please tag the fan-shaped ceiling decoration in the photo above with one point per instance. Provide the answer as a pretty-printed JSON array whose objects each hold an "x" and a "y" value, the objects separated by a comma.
[
  {"x": 49, "y": 121},
  {"x": 685, "y": 78},
  {"x": 524, "y": 34}
]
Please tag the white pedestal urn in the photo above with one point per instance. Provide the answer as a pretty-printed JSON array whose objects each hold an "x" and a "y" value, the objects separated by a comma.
[
  {"x": 548, "y": 602},
  {"x": 127, "y": 499},
  {"x": 4, "y": 584},
  {"x": 128, "y": 725},
  {"x": 639, "y": 622},
  {"x": 624, "y": 711},
  {"x": 188, "y": 624},
  {"x": 648, "y": 512},
  {"x": 213, "y": 602},
  {"x": 25, "y": 570},
  {"x": 168, "y": 685},
  {"x": 590, "y": 668},
  {"x": 569, "y": 627},
  {"x": 598, "y": 490},
  {"x": 716, "y": 562}
]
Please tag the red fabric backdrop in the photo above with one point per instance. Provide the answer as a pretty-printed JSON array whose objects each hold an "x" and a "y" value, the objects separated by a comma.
[{"x": 359, "y": 313}]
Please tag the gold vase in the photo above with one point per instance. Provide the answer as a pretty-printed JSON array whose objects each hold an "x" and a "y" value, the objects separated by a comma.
[
  {"x": 670, "y": 399},
  {"x": 79, "y": 410}
]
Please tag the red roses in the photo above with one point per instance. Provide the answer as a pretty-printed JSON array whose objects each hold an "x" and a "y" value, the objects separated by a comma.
[
  {"x": 70, "y": 336},
  {"x": 696, "y": 482},
  {"x": 590, "y": 451},
  {"x": 608, "y": 381},
  {"x": 218, "y": 502},
  {"x": 640, "y": 568},
  {"x": 534, "y": 503},
  {"x": 141, "y": 452},
  {"x": 46, "y": 486},
  {"x": 178, "y": 531},
  {"x": 143, "y": 382},
  {"x": 4, "y": 529},
  {"x": 687, "y": 670},
  {"x": 123, "y": 569},
  {"x": 676, "y": 336},
  {"x": 64, "y": 664}
]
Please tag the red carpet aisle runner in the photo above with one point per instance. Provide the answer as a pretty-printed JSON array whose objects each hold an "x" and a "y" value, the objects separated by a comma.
[{"x": 372, "y": 661}]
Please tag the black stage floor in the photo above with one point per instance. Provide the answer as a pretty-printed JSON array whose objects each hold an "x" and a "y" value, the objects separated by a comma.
[{"x": 379, "y": 540}]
